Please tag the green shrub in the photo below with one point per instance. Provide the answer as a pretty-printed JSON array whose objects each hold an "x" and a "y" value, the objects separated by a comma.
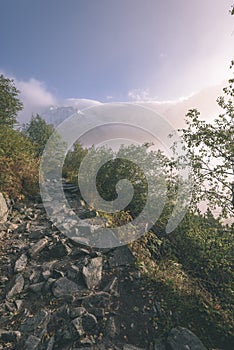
[{"x": 18, "y": 166}]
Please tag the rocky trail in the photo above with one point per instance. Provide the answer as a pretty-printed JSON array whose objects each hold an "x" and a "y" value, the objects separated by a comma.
[{"x": 56, "y": 293}]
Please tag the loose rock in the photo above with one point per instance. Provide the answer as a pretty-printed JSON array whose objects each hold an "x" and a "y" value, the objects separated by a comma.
[
  {"x": 21, "y": 263},
  {"x": 17, "y": 286},
  {"x": 64, "y": 286},
  {"x": 121, "y": 256},
  {"x": 9, "y": 336},
  {"x": 89, "y": 322},
  {"x": 77, "y": 323},
  {"x": 32, "y": 343},
  {"x": 93, "y": 273},
  {"x": 183, "y": 339},
  {"x": 131, "y": 347},
  {"x": 59, "y": 250},
  {"x": 38, "y": 247},
  {"x": 36, "y": 287},
  {"x": 36, "y": 324},
  {"x": 3, "y": 209}
]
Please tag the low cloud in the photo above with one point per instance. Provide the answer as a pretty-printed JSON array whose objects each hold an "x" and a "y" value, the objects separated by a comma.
[
  {"x": 175, "y": 110},
  {"x": 144, "y": 96},
  {"x": 35, "y": 97},
  {"x": 80, "y": 103}
]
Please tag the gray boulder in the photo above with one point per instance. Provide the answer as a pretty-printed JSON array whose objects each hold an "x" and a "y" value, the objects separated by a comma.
[
  {"x": 181, "y": 338},
  {"x": 3, "y": 209}
]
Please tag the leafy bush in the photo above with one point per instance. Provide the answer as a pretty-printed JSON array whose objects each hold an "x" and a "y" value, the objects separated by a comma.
[
  {"x": 205, "y": 248},
  {"x": 18, "y": 166}
]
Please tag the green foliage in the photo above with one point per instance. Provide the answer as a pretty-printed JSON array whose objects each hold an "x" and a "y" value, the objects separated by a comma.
[
  {"x": 18, "y": 166},
  {"x": 116, "y": 219},
  {"x": 10, "y": 104},
  {"x": 145, "y": 170},
  {"x": 205, "y": 248},
  {"x": 192, "y": 271},
  {"x": 38, "y": 132},
  {"x": 232, "y": 10},
  {"x": 53, "y": 157},
  {"x": 192, "y": 268},
  {"x": 72, "y": 162},
  {"x": 149, "y": 172},
  {"x": 211, "y": 148}
]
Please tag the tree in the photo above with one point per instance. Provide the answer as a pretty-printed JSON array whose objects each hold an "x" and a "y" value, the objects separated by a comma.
[
  {"x": 38, "y": 132},
  {"x": 72, "y": 162},
  {"x": 10, "y": 104},
  {"x": 211, "y": 148}
]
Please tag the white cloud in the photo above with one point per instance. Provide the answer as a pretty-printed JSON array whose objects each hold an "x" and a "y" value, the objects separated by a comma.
[
  {"x": 140, "y": 95},
  {"x": 79, "y": 103},
  {"x": 174, "y": 111},
  {"x": 35, "y": 97},
  {"x": 143, "y": 96}
]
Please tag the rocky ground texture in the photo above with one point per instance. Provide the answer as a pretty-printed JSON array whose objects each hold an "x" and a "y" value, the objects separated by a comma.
[{"x": 56, "y": 293}]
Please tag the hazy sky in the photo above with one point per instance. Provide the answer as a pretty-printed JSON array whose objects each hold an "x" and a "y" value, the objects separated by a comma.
[{"x": 115, "y": 50}]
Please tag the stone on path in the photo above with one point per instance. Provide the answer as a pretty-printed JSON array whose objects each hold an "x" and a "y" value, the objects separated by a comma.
[
  {"x": 77, "y": 323},
  {"x": 93, "y": 272},
  {"x": 32, "y": 343},
  {"x": 17, "y": 286},
  {"x": 122, "y": 256},
  {"x": 84, "y": 324},
  {"x": 36, "y": 324},
  {"x": 38, "y": 247},
  {"x": 9, "y": 336},
  {"x": 89, "y": 322},
  {"x": 3, "y": 209},
  {"x": 21, "y": 263},
  {"x": 63, "y": 286},
  {"x": 183, "y": 339}
]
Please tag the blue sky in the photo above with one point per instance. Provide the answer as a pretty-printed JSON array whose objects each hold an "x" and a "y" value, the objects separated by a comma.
[{"x": 116, "y": 49}]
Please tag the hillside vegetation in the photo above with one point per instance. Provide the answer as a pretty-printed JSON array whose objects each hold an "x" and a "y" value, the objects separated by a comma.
[{"x": 192, "y": 267}]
